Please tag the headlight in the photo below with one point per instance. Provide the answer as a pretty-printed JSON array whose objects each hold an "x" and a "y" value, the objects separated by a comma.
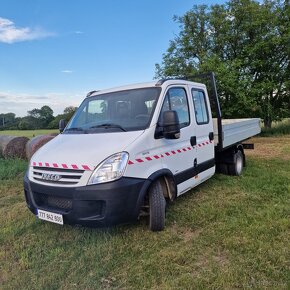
[{"x": 110, "y": 169}]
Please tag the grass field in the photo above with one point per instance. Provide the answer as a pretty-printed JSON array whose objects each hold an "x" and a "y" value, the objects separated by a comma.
[
  {"x": 28, "y": 133},
  {"x": 229, "y": 233}
]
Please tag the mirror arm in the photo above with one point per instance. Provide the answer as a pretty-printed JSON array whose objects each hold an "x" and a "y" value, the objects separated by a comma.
[{"x": 158, "y": 132}]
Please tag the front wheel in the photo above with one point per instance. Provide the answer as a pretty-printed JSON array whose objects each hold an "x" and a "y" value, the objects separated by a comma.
[
  {"x": 157, "y": 205},
  {"x": 237, "y": 167}
]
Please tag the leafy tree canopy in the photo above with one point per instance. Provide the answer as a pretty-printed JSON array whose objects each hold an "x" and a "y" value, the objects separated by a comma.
[{"x": 247, "y": 44}]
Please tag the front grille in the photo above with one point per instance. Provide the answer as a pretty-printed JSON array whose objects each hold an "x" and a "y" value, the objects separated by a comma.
[
  {"x": 53, "y": 202},
  {"x": 57, "y": 175}
]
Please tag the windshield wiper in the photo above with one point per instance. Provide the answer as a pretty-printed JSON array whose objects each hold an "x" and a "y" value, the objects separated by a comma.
[
  {"x": 109, "y": 125},
  {"x": 75, "y": 129}
]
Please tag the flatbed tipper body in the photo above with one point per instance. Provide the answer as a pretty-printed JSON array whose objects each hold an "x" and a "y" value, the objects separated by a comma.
[
  {"x": 129, "y": 150},
  {"x": 236, "y": 130}
]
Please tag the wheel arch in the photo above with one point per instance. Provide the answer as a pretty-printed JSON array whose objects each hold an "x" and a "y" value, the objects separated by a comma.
[{"x": 168, "y": 184}]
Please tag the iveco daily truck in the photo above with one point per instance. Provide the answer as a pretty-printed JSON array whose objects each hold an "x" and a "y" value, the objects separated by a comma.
[{"x": 130, "y": 150}]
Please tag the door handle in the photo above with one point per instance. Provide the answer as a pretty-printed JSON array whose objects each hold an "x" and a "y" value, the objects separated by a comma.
[
  {"x": 211, "y": 136},
  {"x": 193, "y": 140}
]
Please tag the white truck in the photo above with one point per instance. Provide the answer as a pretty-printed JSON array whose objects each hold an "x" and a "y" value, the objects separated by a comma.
[{"x": 130, "y": 150}]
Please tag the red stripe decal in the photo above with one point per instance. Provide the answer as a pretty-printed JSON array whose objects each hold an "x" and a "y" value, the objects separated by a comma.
[
  {"x": 64, "y": 166},
  {"x": 86, "y": 167},
  {"x": 74, "y": 166},
  {"x": 140, "y": 160},
  {"x": 55, "y": 165},
  {"x": 40, "y": 164}
]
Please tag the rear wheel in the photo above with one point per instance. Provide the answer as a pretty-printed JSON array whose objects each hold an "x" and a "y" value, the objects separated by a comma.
[
  {"x": 157, "y": 205},
  {"x": 237, "y": 167}
]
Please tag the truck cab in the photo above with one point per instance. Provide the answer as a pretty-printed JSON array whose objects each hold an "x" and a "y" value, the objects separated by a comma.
[{"x": 126, "y": 152}]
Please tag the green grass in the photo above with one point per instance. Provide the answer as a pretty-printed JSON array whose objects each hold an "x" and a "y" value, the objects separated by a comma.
[
  {"x": 229, "y": 233},
  {"x": 278, "y": 129},
  {"x": 28, "y": 133}
]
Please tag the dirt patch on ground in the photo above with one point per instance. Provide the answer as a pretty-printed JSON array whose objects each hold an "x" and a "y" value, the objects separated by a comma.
[{"x": 270, "y": 147}]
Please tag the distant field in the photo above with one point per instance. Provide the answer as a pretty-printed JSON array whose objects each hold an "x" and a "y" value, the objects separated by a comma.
[
  {"x": 28, "y": 133},
  {"x": 229, "y": 233}
]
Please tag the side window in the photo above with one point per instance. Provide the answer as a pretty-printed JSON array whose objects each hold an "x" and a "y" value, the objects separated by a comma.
[
  {"x": 200, "y": 107},
  {"x": 176, "y": 99}
]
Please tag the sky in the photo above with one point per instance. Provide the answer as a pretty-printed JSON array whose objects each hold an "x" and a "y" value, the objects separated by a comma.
[{"x": 54, "y": 52}]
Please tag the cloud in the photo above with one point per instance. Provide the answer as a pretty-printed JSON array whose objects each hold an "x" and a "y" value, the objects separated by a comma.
[
  {"x": 78, "y": 32},
  {"x": 20, "y": 103},
  {"x": 67, "y": 71},
  {"x": 9, "y": 33}
]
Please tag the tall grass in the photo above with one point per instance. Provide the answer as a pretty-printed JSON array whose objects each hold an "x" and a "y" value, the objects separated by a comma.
[
  {"x": 278, "y": 129},
  {"x": 10, "y": 169}
]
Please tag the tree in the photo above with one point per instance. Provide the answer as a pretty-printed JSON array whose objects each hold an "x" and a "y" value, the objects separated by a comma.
[
  {"x": 6, "y": 120},
  {"x": 247, "y": 44},
  {"x": 67, "y": 114},
  {"x": 42, "y": 117},
  {"x": 28, "y": 123},
  {"x": 46, "y": 114}
]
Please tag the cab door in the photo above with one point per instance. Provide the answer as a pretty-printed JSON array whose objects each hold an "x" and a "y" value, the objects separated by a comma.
[
  {"x": 205, "y": 161},
  {"x": 179, "y": 154}
]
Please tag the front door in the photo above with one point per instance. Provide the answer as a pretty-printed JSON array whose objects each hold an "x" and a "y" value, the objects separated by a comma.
[{"x": 179, "y": 154}]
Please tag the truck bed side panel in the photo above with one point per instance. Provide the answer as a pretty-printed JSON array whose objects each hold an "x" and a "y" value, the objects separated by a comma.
[{"x": 237, "y": 130}]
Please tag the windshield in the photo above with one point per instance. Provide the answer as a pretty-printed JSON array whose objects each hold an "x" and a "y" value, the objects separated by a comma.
[{"x": 129, "y": 110}]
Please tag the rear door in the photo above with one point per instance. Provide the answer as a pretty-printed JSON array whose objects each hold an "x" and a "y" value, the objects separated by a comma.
[{"x": 204, "y": 132}]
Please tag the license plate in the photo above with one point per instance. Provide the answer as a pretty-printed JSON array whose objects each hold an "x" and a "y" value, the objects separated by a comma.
[{"x": 50, "y": 217}]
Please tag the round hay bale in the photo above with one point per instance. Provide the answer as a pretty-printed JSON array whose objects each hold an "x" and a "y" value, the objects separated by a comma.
[
  {"x": 12, "y": 146},
  {"x": 35, "y": 143}
]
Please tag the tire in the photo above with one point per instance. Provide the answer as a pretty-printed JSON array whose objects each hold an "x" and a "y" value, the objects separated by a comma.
[
  {"x": 157, "y": 205},
  {"x": 237, "y": 167}
]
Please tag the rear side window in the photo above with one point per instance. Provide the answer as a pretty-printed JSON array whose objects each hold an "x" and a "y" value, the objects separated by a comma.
[
  {"x": 176, "y": 99},
  {"x": 200, "y": 107}
]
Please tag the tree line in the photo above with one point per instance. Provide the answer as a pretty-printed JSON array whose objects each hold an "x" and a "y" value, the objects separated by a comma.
[
  {"x": 247, "y": 44},
  {"x": 36, "y": 119}
]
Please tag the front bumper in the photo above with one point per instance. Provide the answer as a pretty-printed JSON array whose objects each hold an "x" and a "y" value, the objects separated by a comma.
[{"x": 98, "y": 205}]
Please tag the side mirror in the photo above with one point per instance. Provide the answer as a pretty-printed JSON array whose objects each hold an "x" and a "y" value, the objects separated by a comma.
[
  {"x": 171, "y": 125},
  {"x": 61, "y": 125}
]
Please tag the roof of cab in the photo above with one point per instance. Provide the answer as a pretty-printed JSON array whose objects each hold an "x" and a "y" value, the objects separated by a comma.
[{"x": 158, "y": 83}]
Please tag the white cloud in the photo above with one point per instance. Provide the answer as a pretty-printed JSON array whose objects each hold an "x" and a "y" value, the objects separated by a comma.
[
  {"x": 78, "y": 32},
  {"x": 67, "y": 71},
  {"x": 20, "y": 103},
  {"x": 9, "y": 33}
]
